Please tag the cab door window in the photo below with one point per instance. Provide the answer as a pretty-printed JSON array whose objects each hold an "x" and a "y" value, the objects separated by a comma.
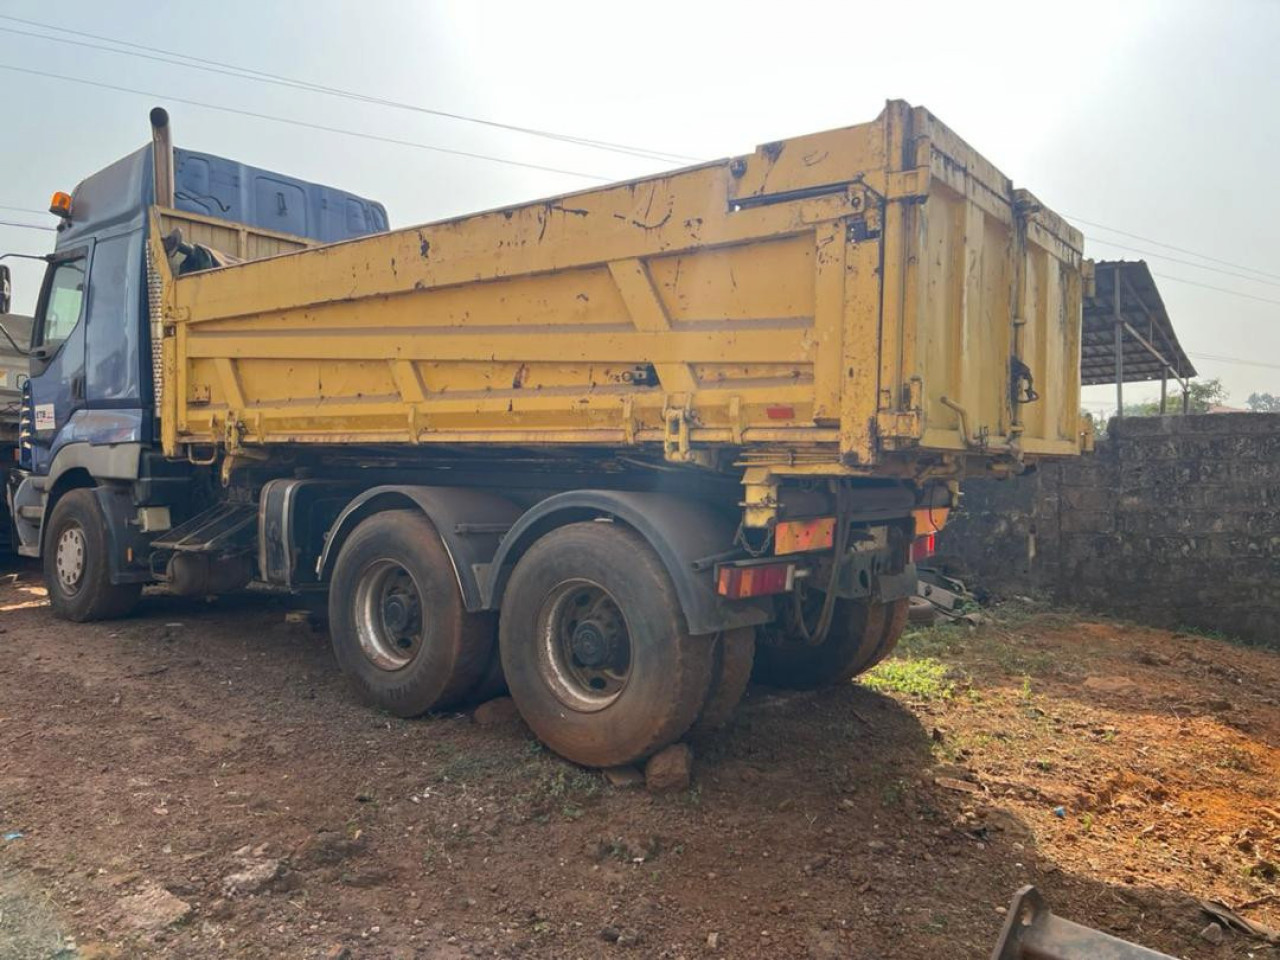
[{"x": 63, "y": 303}]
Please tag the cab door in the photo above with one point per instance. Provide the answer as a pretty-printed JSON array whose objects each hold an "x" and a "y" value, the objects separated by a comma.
[{"x": 57, "y": 352}]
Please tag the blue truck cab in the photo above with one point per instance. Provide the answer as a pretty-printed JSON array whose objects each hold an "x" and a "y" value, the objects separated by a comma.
[{"x": 87, "y": 410}]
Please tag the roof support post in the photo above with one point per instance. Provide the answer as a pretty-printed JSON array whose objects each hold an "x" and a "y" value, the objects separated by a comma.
[
  {"x": 1119, "y": 341},
  {"x": 1164, "y": 389}
]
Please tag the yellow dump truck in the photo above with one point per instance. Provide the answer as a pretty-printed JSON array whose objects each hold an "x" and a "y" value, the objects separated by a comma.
[{"x": 619, "y": 450}]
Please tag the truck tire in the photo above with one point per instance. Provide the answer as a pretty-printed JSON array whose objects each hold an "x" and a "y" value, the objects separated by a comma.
[
  {"x": 595, "y": 648},
  {"x": 897, "y": 615},
  {"x": 492, "y": 683},
  {"x": 400, "y": 630},
  {"x": 861, "y": 635},
  {"x": 730, "y": 674},
  {"x": 77, "y": 568}
]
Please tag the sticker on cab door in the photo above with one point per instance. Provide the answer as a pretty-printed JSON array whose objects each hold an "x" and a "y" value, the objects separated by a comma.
[{"x": 44, "y": 417}]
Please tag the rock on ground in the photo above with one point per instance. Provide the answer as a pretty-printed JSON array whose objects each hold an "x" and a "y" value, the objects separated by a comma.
[
  {"x": 255, "y": 875},
  {"x": 669, "y": 769},
  {"x": 1212, "y": 933},
  {"x": 154, "y": 908}
]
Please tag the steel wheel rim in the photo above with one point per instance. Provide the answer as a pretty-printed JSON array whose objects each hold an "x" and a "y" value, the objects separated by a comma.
[
  {"x": 584, "y": 646},
  {"x": 390, "y": 620},
  {"x": 69, "y": 559}
]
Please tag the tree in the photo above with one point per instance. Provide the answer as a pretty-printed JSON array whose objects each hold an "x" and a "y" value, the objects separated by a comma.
[
  {"x": 1263, "y": 403},
  {"x": 1201, "y": 395}
]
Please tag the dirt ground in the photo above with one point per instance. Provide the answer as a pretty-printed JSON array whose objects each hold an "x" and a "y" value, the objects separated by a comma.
[{"x": 197, "y": 782}]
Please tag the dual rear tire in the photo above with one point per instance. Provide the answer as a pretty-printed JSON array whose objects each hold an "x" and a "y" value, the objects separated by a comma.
[
  {"x": 594, "y": 648},
  {"x": 592, "y": 641},
  {"x": 861, "y": 635},
  {"x": 400, "y": 630}
]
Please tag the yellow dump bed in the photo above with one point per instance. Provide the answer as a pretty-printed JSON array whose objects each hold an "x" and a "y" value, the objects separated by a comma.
[{"x": 866, "y": 299}]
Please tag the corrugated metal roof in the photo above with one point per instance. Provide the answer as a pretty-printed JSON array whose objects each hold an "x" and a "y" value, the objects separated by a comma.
[{"x": 1142, "y": 309}]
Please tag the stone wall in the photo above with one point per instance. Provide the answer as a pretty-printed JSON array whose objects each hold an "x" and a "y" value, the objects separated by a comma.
[{"x": 1174, "y": 521}]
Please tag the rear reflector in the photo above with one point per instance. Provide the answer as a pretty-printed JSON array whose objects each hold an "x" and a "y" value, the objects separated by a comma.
[
  {"x": 755, "y": 581},
  {"x": 795, "y": 536},
  {"x": 922, "y": 547}
]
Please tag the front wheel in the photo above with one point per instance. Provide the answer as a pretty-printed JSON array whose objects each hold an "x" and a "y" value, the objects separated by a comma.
[
  {"x": 77, "y": 568},
  {"x": 595, "y": 649},
  {"x": 400, "y": 629}
]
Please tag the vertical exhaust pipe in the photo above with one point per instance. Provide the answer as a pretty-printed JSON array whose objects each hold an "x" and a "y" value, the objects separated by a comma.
[{"x": 162, "y": 156}]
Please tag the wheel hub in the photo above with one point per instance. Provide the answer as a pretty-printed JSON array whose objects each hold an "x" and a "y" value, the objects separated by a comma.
[
  {"x": 395, "y": 613},
  {"x": 590, "y": 644},
  {"x": 69, "y": 558},
  {"x": 585, "y": 653},
  {"x": 389, "y": 615}
]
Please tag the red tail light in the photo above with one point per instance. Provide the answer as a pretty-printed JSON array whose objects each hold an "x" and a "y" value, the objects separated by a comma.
[
  {"x": 755, "y": 581},
  {"x": 922, "y": 548}
]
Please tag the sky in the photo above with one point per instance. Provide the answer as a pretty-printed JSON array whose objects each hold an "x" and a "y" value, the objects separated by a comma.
[{"x": 1158, "y": 119}]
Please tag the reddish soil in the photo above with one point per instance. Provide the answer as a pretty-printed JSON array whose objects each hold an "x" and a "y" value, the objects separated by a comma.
[{"x": 202, "y": 770}]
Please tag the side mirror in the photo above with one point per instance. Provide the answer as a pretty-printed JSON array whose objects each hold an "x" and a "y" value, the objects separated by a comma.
[{"x": 6, "y": 289}]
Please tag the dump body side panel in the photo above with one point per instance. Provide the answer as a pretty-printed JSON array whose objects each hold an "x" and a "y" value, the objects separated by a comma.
[
  {"x": 811, "y": 303},
  {"x": 591, "y": 319}
]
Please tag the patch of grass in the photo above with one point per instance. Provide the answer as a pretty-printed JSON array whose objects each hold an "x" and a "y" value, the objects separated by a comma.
[
  {"x": 925, "y": 678},
  {"x": 1015, "y": 657},
  {"x": 471, "y": 765},
  {"x": 29, "y": 925},
  {"x": 1271, "y": 644},
  {"x": 564, "y": 782},
  {"x": 940, "y": 640},
  {"x": 1233, "y": 758},
  {"x": 893, "y": 793},
  {"x": 553, "y": 785},
  {"x": 998, "y": 641}
]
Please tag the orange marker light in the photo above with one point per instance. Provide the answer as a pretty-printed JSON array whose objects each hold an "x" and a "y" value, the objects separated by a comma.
[
  {"x": 61, "y": 205},
  {"x": 930, "y": 519}
]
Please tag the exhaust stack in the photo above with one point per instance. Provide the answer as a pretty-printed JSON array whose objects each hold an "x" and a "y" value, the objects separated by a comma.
[{"x": 162, "y": 156}]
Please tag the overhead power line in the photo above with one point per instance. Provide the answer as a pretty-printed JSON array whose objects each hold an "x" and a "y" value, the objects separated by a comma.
[
  {"x": 25, "y": 226},
  {"x": 1241, "y": 360},
  {"x": 23, "y": 209},
  {"x": 174, "y": 58},
  {"x": 1186, "y": 263},
  {"x": 1169, "y": 246},
  {"x": 303, "y": 123},
  {"x": 1209, "y": 286}
]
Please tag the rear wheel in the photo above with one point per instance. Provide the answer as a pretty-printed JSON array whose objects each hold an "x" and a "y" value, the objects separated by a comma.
[
  {"x": 400, "y": 630},
  {"x": 861, "y": 635},
  {"x": 493, "y": 683},
  {"x": 595, "y": 649},
  {"x": 734, "y": 656},
  {"x": 897, "y": 615},
  {"x": 77, "y": 569}
]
